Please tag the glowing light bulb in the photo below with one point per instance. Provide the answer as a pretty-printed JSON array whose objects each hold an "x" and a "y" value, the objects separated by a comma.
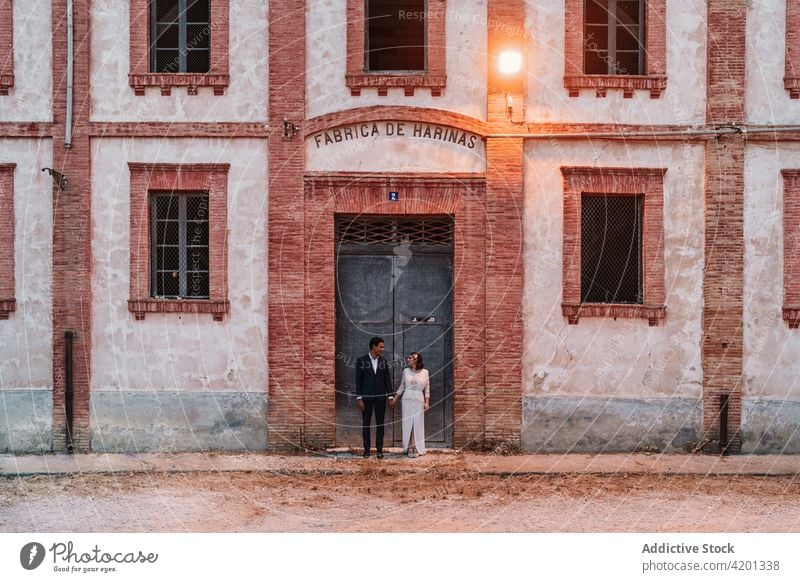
[{"x": 510, "y": 62}]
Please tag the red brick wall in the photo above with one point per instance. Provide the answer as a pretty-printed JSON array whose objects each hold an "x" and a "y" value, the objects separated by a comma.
[
  {"x": 504, "y": 242},
  {"x": 211, "y": 178},
  {"x": 7, "y": 301},
  {"x": 6, "y": 46},
  {"x": 646, "y": 181},
  {"x": 791, "y": 247},
  {"x": 72, "y": 240},
  {"x": 460, "y": 195},
  {"x": 724, "y": 222},
  {"x": 140, "y": 76},
  {"x": 286, "y": 295},
  {"x": 791, "y": 80}
]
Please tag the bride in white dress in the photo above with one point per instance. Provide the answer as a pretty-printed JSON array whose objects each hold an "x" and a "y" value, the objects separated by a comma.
[{"x": 416, "y": 391}]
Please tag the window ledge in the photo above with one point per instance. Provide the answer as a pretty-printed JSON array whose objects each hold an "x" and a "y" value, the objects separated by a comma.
[
  {"x": 6, "y": 82},
  {"x": 140, "y": 307},
  {"x": 6, "y": 307},
  {"x": 654, "y": 314},
  {"x": 408, "y": 81},
  {"x": 166, "y": 81},
  {"x": 791, "y": 315},
  {"x": 628, "y": 83},
  {"x": 792, "y": 85}
]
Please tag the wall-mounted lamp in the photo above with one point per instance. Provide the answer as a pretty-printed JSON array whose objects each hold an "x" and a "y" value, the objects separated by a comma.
[
  {"x": 289, "y": 129},
  {"x": 58, "y": 178},
  {"x": 510, "y": 62}
]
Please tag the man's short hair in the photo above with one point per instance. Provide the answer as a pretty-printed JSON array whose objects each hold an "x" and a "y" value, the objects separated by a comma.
[{"x": 375, "y": 341}]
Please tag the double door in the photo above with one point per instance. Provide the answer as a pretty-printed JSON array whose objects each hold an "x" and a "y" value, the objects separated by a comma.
[{"x": 404, "y": 296}]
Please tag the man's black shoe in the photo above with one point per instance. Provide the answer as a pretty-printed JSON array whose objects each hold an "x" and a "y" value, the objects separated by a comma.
[
  {"x": 366, "y": 455},
  {"x": 380, "y": 455}
]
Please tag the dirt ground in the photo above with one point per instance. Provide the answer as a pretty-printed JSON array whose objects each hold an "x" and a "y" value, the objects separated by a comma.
[{"x": 390, "y": 496}]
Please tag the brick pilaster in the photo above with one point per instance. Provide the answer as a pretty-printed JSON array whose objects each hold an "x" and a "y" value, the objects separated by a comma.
[
  {"x": 287, "y": 407},
  {"x": 504, "y": 244},
  {"x": 72, "y": 250},
  {"x": 724, "y": 225},
  {"x": 504, "y": 265}
]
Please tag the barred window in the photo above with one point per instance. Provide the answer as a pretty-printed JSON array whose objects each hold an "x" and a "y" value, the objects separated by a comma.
[
  {"x": 180, "y": 37},
  {"x": 611, "y": 249},
  {"x": 614, "y": 37},
  {"x": 180, "y": 262},
  {"x": 395, "y": 39}
]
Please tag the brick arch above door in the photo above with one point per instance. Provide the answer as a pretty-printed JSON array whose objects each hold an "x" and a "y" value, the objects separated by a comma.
[{"x": 460, "y": 195}]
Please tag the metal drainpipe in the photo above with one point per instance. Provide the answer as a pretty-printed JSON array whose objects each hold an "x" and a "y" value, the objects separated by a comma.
[
  {"x": 724, "y": 405},
  {"x": 70, "y": 63},
  {"x": 69, "y": 395}
]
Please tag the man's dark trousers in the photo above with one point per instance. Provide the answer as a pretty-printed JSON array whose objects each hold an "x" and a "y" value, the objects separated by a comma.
[
  {"x": 373, "y": 386},
  {"x": 379, "y": 405}
]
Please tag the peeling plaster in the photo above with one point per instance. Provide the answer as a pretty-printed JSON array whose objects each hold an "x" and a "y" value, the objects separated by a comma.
[
  {"x": 600, "y": 356},
  {"x": 326, "y": 58},
  {"x": 244, "y": 100},
  {"x": 683, "y": 101},
  {"x": 31, "y": 97},
  {"x": 180, "y": 351},
  {"x": 770, "y": 364},
  {"x": 26, "y": 349}
]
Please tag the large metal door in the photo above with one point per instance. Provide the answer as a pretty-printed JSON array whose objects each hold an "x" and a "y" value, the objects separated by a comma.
[{"x": 395, "y": 283}]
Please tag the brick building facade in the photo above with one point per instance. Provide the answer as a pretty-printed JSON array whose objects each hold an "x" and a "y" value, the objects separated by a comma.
[{"x": 603, "y": 192}]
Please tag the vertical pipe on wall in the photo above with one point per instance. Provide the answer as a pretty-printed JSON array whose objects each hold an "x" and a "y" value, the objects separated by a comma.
[
  {"x": 69, "y": 394},
  {"x": 70, "y": 63},
  {"x": 724, "y": 405}
]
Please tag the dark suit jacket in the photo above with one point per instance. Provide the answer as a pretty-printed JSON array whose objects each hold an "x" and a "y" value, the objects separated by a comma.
[{"x": 368, "y": 383}]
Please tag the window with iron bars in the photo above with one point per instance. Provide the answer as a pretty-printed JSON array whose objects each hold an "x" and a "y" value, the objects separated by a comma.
[
  {"x": 395, "y": 39},
  {"x": 180, "y": 36},
  {"x": 611, "y": 249},
  {"x": 614, "y": 37},
  {"x": 180, "y": 256}
]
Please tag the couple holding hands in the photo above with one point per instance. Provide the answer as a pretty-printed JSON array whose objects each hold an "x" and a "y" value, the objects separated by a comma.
[{"x": 374, "y": 388}]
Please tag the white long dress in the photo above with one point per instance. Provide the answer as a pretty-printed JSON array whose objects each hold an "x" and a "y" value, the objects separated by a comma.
[{"x": 415, "y": 388}]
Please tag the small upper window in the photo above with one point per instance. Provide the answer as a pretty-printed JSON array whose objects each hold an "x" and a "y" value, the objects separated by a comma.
[
  {"x": 180, "y": 264},
  {"x": 395, "y": 39},
  {"x": 614, "y": 37},
  {"x": 611, "y": 249},
  {"x": 180, "y": 36}
]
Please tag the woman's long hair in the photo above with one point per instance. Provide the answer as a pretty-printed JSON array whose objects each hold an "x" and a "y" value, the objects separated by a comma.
[{"x": 419, "y": 364}]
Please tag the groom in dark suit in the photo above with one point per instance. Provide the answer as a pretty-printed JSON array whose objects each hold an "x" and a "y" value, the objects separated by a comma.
[{"x": 373, "y": 387}]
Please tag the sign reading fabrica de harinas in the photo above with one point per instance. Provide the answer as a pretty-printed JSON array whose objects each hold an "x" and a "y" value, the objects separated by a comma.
[{"x": 395, "y": 129}]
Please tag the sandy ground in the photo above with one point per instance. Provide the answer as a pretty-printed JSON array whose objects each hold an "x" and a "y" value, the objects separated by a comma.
[{"x": 390, "y": 496}]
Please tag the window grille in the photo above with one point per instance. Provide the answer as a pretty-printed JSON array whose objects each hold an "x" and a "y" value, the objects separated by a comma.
[
  {"x": 395, "y": 39},
  {"x": 611, "y": 249},
  {"x": 392, "y": 230},
  {"x": 614, "y": 37},
  {"x": 180, "y": 237},
  {"x": 180, "y": 37}
]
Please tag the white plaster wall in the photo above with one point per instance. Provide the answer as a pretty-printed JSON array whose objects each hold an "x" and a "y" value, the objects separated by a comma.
[
  {"x": 766, "y": 101},
  {"x": 395, "y": 154},
  {"x": 683, "y": 101},
  {"x": 31, "y": 98},
  {"x": 601, "y": 356},
  {"x": 179, "y": 351},
  {"x": 326, "y": 62},
  {"x": 113, "y": 99},
  {"x": 771, "y": 366},
  {"x": 26, "y": 351}
]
